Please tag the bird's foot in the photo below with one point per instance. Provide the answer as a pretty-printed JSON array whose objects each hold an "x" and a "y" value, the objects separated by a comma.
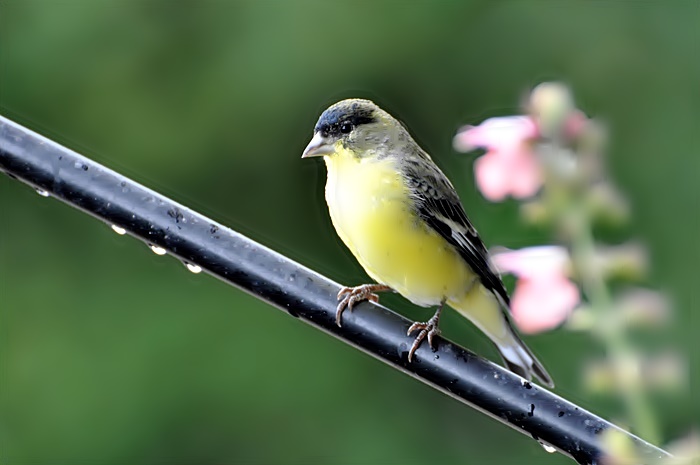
[
  {"x": 429, "y": 328},
  {"x": 349, "y": 296}
]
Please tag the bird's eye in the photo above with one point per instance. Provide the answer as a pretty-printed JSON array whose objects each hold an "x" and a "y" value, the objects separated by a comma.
[{"x": 345, "y": 127}]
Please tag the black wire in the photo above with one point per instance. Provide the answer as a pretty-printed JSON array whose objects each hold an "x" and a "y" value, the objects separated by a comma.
[{"x": 57, "y": 171}]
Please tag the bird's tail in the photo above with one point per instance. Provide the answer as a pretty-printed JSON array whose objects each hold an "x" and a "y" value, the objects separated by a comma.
[{"x": 490, "y": 315}]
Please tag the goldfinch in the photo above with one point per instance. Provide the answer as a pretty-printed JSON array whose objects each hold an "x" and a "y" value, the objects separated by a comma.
[{"x": 403, "y": 221}]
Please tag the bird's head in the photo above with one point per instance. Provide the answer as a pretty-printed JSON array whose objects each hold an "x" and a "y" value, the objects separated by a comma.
[{"x": 354, "y": 124}]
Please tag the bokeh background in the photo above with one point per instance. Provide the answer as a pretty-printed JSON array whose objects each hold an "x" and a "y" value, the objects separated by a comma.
[{"x": 110, "y": 354}]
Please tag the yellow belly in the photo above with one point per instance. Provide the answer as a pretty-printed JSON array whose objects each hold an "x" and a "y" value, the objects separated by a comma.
[{"x": 371, "y": 212}]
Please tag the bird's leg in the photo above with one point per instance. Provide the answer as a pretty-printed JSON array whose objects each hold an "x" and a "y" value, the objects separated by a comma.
[
  {"x": 429, "y": 328},
  {"x": 349, "y": 296}
]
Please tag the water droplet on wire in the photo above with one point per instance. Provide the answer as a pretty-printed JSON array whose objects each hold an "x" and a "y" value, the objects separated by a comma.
[
  {"x": 193, "y": 268},
  {"x": 548, "y": 448},
  {"x": 157, "y": 250},
  {"x": 42, "y": 192},
  {"x": 118, "y": 230}
]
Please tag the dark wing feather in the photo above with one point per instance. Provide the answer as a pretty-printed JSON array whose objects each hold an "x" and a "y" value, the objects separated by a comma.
[{"x": 438, "y": 204}]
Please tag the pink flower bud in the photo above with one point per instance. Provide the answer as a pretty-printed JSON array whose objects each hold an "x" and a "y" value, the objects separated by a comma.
[
  {"x": 628, "y": 261},
  {"x": 643, "y": 307},
  {"x": 551, "y": 106}
]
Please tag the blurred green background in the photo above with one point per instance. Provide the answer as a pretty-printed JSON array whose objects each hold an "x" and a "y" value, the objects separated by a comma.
[{"x": 111, "y": 355}]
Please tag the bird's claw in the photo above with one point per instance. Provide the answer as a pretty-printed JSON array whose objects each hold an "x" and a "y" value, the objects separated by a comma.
[
  {"x": 429, "y": 329},
  {"x": 349, "y": 296}
]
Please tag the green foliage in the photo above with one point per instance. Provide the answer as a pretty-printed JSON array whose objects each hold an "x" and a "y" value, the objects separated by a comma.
[{"x": 110, "y": 354}]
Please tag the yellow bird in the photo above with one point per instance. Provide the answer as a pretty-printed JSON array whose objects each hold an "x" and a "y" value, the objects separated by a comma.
[{"x": 401, "y": 218}]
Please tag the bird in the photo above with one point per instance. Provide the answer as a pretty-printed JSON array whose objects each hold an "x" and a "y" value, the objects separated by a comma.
[{"x": 403, "y": 221}]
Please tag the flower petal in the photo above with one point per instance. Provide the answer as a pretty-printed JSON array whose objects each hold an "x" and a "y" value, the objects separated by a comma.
[
  {"x": 532, "y": 262},
  {"x": 495, "y": 133},
  {"x": 491, "y": 177},
  {"x": 543, "y": 304},
  {"x": 527, "y": 177}
]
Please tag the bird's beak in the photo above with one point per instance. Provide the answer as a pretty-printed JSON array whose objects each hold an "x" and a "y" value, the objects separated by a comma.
[{"x": 318, "y": 146}]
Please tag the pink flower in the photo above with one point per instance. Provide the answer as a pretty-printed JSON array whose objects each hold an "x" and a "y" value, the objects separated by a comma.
[
  {"x": 544, "y": 296},
  {"x": 509, "y": 166}
]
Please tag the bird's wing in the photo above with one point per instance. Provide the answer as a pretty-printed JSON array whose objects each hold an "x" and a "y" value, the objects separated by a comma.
[{"x": 438, "y": 204}]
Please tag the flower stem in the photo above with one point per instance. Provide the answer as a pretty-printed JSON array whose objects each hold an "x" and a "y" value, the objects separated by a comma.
[{"x": 614, "y": 337}]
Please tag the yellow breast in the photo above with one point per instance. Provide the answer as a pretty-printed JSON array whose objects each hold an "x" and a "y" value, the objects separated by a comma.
[{"x": 372, "y": 213}]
